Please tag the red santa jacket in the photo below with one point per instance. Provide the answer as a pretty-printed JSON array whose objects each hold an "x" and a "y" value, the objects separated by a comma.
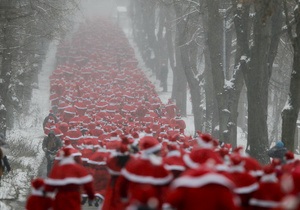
[
  {"x": 150, "y": 182},
  {"x": 38, "y": 201},
  {"x": 201, "y": 189},
  {"x": 269, "y": 194},
  {"x": 67, "y": 177}
]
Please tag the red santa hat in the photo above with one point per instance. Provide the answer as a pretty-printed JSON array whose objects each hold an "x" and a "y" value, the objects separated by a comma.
[
  {"x": 205, "y": 140},
  {"x": 237, "y": 163},
  {"x": 148, "y": 131},
  {"x": 65, "y": 152},
  {"x": 124, "y": 144},
  {"x": 269, "y": 174},
  {"x": 38, "y": 183},
  {"x": 149, "y": 145},
  {"x": 289, "y": 157},
  {"x": 114, "y": 136}
]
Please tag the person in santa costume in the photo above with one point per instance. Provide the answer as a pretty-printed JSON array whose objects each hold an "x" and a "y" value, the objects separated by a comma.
[
  {"x": 201, "y": 188},
  {"x": 66, "y": 179},
  {"x": 38, "y": 199},
  {"x": 269, "y": 194},
  {"x": 144, "y": 179},
  {"x": 245, "y": 184},
  {"x": 203, "y": 152},
  {"x": 115, "y": 163}
]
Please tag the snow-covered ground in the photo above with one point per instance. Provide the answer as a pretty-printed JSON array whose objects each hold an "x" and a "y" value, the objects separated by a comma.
[{"x": 25, "y": 153}]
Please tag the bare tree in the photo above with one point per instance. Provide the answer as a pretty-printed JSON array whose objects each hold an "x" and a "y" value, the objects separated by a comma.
[
  {"x": 26, "y": 29},
  {"x": 291, "y": 110},
  {"x": 258, "y": 41}
]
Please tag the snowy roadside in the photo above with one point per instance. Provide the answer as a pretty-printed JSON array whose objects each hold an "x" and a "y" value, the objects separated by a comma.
[{"x": 25, "y": 152}]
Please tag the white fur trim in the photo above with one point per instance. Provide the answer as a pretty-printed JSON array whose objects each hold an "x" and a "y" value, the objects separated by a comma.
[
  {"x": 64, "y": 107},
  {"x": 237, "y": 168},
  {"x": 69, "y": 180},
  {"x": 222, "y": 167},
  {"x": 264, "y": 203},
  {"x": 290, "y": 161},
  {"x": 269, "y": 178},
  {"x": 200, "y": 181},
  {"x": 72, "y": 138},
  {"x": 37, "y": 192},
  {"x": 256, "y": 173},
  {"x": 189, "y": 162},
  {"x": 68, "y": 112},
  {"x": 115, "y": 138},
  {"x": 89, "y": 146},
  {"x": 76, "y": 154},
  {"x": 84, "y": 159},
  {"x": 146, "y": 179},
  {"x": 153, "y": 149},
  {"x": 175, "y": 167},
  {"x": 97, "y": 162},
  {"x": 67, "y": 160},
  {"x": 78, "y": 107},
  {"x": 53, "y": 99},
  {"x": 174, "y": 153},
  {"x": 112, "y": 172},
  {"x": 204, "y": 144},
  {"x": 246, "y": 189}
]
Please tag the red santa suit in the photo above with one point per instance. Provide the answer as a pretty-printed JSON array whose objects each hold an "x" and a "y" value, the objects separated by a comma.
[
  {"x": 97, "y": 163},
  {"x": 38, "y": 199},
  {"x": 246, "y": 184},
  {"x": 115, "y": 163},
  {"x": 173, "y": 160},
  {"x": 269, "y": 194},
  {"x": 290, "y": 162},
  {"x": 66, "y": 178},
  {"x": 203, "y": 153},
  {"x": 201, "y": 189},
  {"x": 171, "y": 109},
  {"x": 145, "y": 177}
]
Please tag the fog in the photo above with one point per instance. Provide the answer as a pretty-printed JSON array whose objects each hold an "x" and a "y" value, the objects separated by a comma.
[{"x": 94, "y": 8}]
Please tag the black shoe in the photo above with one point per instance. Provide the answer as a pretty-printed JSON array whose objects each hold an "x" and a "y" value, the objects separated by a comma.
[
  {"x": 98, "y": 201},
  {"x": 83, "y": 201},
  {"x": 90, "y": 202}
]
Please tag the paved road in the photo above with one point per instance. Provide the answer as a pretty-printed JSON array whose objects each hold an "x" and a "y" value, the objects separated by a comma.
[{"x": 86, "y": 207}]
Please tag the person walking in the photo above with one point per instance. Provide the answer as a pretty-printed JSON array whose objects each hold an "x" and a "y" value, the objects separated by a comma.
[
  {"x": 51, "y": 144},
  {"x": 278, "y": 151},
  {"x": 4, "y": 164},
  {"x": 38, "y": 199},
  {"x": 67, "y": 178}
]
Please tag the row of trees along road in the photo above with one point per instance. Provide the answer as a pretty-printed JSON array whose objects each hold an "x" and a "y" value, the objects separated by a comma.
[
  {"x": 26, "y": 29},
  {"x": 227, "y": 52}
]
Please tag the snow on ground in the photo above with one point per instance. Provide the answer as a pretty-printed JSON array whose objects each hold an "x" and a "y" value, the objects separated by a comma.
[{"x": 25, "y": 139}]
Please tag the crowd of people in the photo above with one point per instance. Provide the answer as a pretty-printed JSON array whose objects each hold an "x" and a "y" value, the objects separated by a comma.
[{"x": 111, "y": 134}]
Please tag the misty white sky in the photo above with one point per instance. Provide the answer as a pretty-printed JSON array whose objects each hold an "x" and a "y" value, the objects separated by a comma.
[{"x": 93, "y": 8}]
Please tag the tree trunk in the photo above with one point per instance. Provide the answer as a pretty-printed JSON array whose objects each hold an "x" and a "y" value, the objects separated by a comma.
[
  {"x": 291, "y": 111},
  {"x": 5, "y": 79},
  {"x": 257, "y": 81},
  {"x": 180, "y": 91}
]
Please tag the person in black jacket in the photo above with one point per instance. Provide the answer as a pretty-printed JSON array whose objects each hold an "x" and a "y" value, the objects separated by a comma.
[
  {"x": 278, "y": 151},
  {"x": 51, "y": 145},
  {"x": 4, "y": 164}
]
